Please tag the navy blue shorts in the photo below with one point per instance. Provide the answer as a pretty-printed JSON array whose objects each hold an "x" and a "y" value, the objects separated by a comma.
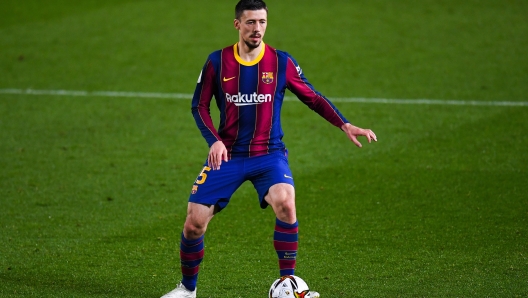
[{"x": 215, "y": 187}]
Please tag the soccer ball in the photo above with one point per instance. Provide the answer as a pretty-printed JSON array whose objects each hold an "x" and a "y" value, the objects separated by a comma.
[{"x": 289, "y": 286}]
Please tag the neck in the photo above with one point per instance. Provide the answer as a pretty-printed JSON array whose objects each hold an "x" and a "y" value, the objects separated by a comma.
[{"x": 249, "y": 54}]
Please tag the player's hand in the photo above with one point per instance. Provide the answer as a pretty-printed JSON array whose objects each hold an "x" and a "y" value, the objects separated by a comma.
[
  {"x": 353, "y": 132},
  {"x": 217, "y": 154}
]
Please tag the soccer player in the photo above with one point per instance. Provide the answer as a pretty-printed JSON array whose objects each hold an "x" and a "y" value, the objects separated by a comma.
[{"x": 248, "y": 81}]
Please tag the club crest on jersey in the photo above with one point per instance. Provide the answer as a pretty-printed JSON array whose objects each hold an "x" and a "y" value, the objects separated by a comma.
[{"x": 267, "y": 77}]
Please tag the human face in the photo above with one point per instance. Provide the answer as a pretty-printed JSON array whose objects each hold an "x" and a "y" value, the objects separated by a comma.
[{"x": 251, "y": 27}]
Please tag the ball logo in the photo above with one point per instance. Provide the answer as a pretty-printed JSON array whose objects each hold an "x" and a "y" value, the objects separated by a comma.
[{"x": 267, "y": 77}]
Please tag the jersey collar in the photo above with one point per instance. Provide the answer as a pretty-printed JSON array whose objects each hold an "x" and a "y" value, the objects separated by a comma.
[{"x": 250, "y": 63}]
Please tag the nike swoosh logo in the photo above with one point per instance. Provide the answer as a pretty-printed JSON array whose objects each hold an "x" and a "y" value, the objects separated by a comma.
[
  {"x": 288, "y": 176},
  {"x": 228, "y": 79}
]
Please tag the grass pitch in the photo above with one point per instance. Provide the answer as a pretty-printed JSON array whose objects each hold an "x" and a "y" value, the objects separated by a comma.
[{"x": 93, "y": 190}]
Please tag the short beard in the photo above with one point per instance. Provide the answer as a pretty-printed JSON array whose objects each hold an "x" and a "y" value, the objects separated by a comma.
[{"x": 250, "y": 45}]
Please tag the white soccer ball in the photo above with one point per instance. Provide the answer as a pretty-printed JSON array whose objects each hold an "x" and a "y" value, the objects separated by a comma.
[{"x": 289, "y": 286}]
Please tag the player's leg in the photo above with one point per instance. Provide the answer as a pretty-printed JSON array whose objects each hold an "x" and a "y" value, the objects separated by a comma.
[
  {"x": 192, "y": 242},
  {"x": 192, "y": 248},
  {"x": 210, "y": 194},
  {"x": 274, "y": 184},
  {"x": 281, "y": 197}
]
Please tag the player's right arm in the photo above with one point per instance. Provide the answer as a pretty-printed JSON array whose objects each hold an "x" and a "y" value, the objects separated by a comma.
[{"x": 203, "y": 94}]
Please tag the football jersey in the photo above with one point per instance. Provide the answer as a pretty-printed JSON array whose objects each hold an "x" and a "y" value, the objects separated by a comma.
[{"x": 249, "y": 96}]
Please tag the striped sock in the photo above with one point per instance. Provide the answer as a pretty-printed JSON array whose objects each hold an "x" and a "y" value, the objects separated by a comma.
[
  {"x": 191, "y": 255},
  {"x": 285, "y": 242}
]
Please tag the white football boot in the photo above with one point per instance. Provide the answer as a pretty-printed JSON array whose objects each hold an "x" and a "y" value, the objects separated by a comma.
[
  {"x": 181, "y": 292},
  {"x": 313, "y": 294}
]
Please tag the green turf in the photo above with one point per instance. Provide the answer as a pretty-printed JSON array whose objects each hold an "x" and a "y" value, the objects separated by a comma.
[{"x": 93, "y": 190}]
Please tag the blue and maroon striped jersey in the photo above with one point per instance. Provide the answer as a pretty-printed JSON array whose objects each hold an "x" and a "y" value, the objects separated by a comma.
[{"x": 249, "y": 96}]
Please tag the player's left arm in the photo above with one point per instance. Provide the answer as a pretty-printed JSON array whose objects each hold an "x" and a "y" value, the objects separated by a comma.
[
  {"x": 353, "y": 132},
  {"x": 299, "y": 85}
]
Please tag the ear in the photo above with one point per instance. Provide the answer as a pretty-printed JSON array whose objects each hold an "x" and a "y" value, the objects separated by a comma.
[{"x": 236, "y": 23}]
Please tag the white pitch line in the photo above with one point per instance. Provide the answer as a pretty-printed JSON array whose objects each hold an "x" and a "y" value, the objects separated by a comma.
[
  {"x": 96, "y": 93},
  {"x": 433, "y": 102},
  {"x": 333, "y": 99}
]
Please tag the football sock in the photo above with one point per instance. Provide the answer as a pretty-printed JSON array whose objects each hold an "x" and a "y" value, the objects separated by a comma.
[
  {"x": 191, "y": 255},
  {"x": 285, "y": 242}
]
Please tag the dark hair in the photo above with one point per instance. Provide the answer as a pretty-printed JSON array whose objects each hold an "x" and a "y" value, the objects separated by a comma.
[{"x": 249, "y": 5}]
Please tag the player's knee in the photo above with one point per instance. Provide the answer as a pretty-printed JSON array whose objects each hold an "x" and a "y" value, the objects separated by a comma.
[
  {"x": 284, "y": 208},
  {"x": 193, "y": 230},
  {"x": 288, "y": 206}
]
